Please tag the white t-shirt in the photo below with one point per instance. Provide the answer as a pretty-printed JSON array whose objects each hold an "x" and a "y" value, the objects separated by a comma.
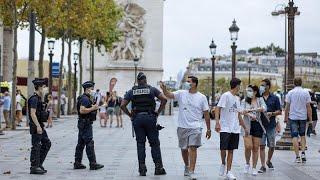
[
  {"x": 18, "y": 100},
  {"x": 191, "y": 108},
  {"x": 298, "y": 99},
  {"x": 230, "y": 108}
]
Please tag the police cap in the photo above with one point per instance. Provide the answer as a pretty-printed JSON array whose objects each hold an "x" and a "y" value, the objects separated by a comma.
[
  {"x": 88, "y": 84},
  {"x": 39, "y": 82},
  {"x": 141, "y": 76}
]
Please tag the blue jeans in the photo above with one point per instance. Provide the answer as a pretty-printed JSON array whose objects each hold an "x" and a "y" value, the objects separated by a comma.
[
  {"x": 269, "y": 138},
  {"x": 298, "y": 127},
  {"x": 145, "y": 127}
]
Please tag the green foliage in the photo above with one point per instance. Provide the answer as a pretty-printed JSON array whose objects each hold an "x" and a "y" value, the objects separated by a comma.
[{"x": 264, "y": 50}]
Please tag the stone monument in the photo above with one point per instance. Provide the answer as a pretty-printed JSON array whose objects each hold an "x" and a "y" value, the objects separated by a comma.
[{"x": 142, "y": 29}]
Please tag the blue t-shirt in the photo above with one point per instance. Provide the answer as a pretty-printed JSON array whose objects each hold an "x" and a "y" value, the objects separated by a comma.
[
  {"x": 85, "y": 101},
  {"x": 6, "y": 103},
  {"x": 153, "y": 91},
  {"x": 273, "y": 104}
]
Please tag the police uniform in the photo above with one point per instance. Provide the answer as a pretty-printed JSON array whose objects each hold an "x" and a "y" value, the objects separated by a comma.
[
  {"x": 85, "y": 136},
  {"x": 144, "y": 122},
  {"x": 40, "y": 142}
]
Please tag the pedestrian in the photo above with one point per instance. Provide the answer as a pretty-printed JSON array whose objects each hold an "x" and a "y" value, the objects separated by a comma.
[
  {"x": 118, "y": 111},
  {"x": 6, "y": 108},
  {"x": 103, "y": 112},
  {"x": 63, "y": 100},
  {"x": 87, "y": 112},
  {"x": 110, "y": 110},
  {"x": 298, "y": 114},
  {"x": 193, "y": 105},
  {"x": 19, "y": 104},
  {"x": 253, "y": 105},
  {"x": 49, "y": 109},
  {"x": 269, "y": 137},
  {"x": 144, "y": 119},
  {"x": 314, "y": 106},
  {"x": 39, "y": 138},
  {"x": 228, "y": 121}
]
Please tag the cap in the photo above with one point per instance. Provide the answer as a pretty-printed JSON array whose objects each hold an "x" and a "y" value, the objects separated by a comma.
[
  {"x": 88, "y": 84},
  {"x": 141, "y": 76},
  {"x": 39, "y": 82}
]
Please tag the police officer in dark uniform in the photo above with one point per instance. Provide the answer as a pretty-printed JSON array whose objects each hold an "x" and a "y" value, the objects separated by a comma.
[
  {"x": 144, "y": 119},
  {"x": 37, "y": 115},
  {"x": 87, "y": 111}
]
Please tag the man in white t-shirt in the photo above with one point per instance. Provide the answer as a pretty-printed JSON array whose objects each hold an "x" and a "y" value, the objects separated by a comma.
[
  {"x": 228, "y": 121},
  {"x": 192, "y": 106}
]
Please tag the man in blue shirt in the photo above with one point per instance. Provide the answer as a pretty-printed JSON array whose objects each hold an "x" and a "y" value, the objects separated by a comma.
[
  {"x": 6, "y": 108},
  {"x": 273, "y": 110}
]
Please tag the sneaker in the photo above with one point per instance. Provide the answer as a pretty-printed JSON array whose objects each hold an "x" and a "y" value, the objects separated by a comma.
[
  {"x": 262, "y": 170},
  {"x": 270, "y": 165},
  {"x": 254, "y": 172},
  {"x": 96, "y": 166},
  {"x": 298, "y": 160},
  {"x": 222, "y": 170},
  {"x": 192, "y": 176},
  {"x": 230, "y": 176},
  {"x": 303, "y": 157},
  {"x": 186, "y": 171},
  {"x": 247, "y": 168}
]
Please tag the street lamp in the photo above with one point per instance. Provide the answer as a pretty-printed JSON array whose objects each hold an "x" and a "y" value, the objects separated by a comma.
[
  {"x": 135, "y": 63},
  {"x": 75, "y": 58},
  {"x": 51, "y": 48},
  {"x": 213, "y": 49},
  {"x": 234, "y": 29},
  {"x": 250, "y": 67}
]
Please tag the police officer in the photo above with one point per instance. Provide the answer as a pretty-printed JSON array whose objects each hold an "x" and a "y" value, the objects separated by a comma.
[
  {"x": 87, "y": 111},
  {"x": 37, "y": 115},
  {"x": 144, "y": 120}
]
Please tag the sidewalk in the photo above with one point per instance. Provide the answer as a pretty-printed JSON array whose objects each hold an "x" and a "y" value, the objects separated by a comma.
[{"x": 116, "y": 149}]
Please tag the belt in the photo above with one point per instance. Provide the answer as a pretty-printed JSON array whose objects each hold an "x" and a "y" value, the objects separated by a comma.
[{"x": 143, "y": 113}]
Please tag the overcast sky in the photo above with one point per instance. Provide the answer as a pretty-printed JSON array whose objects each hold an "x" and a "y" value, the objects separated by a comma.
[{"x": 189, "y": 26}]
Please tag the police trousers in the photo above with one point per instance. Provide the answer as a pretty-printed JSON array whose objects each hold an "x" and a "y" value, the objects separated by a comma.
[
  {"x": 145, "y": 127},
  {"x": 85, "y": 139},
  {"x": 40, "y": 147}
]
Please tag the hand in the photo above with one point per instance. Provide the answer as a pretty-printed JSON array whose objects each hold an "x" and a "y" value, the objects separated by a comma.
[
  {"x": 39, "y": 130},
  {"x": 260, "y": 109},
  {"x": 208, "y": 134},
  {"x": 246, "y": 132},
  {"x": 162, "y": 86},
  {"x": 95, "y": 107},
  {"x": 218, "y": 127},
  {"x": 269, "y": 114},
  {"x": 253, "y": 118}
]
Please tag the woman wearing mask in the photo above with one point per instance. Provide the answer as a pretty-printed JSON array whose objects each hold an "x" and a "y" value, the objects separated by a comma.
[
  {"x": 50, "y": 110},
  {"x": 253, "y": 106},
  {"x": 110, "y": 110},
  {"x": 103, "y": 112}
]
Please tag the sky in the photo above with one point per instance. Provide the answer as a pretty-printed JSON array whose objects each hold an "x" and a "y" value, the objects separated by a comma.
[{"x": 190, "y": 25}]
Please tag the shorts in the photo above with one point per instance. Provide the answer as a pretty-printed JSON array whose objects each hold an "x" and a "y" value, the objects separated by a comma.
[
  {"x": 298, "y": 127},
  {"x": 189, "y": 137},
  {"x": 110, "y": 111},
  {"x": 256, "y": 129},
  {"x": 117, "y": 110},
  {"x": 229, "y": 141},
  {"x": 269, "y": 138}
]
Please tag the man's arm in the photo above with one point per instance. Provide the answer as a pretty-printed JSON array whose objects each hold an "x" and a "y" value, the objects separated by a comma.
[
  {"x": 163, "y": 103},
  {"x": 309, "y": 112},
  {"x": 34, "y": 116},
  {"x": 124, "y": 108},
  {"x": 286, "y": 114},
  {"x": 217, "y": 117},
  {"x": 84, "y": 110},
  {"x": 167, "y": 93}
]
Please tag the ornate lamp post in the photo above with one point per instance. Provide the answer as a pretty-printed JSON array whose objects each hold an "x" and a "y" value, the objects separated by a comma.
[
  {"x": 213, "y": 48},
  {"x": 51, "y": 48},
  {"x": 75, "y": 58},
  {"x": 135, "y": 63},
  {"x": 234, "y": 29}
]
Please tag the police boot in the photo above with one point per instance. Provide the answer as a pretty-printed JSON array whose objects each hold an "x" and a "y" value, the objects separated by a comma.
[
  {"x": 78, "y": 165},
  {"x": 36, "y": 170},
  {"x": 142, "y": 169},
  {"x": 96, "y": 166},
  {"x": 41, "y": 167},
  {"x": 159, "y": 170}
]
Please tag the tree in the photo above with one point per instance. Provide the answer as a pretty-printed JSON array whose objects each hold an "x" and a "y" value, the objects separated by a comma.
[{"x": 13, "y": 13}]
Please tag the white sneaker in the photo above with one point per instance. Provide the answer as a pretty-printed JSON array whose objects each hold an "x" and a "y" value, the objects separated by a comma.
[
  {"x": 298, "y": 160},
  {"x": 192, "y": 176},
  {"x": 222, "y": 170},
  {"x": 247, "y": 168},
  {"x": 186, "y": 171},
  {"x": 230, "y": 176},
  {"x": 254, "y": 172}
]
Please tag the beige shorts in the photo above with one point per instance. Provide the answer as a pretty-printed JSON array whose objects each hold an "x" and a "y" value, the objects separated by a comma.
[{"x": 189, "y": 137}]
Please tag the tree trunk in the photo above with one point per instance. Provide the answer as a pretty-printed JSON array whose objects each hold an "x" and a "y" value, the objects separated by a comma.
[
  {"x": 14, "y": 68},
  {"x": 60, "y": 78},
  {"x": 69, "y": 77},
  {"x": 80, "y": 65},
  {"x": 7, "y": 53},
  {"x": 41, "y": 53}
]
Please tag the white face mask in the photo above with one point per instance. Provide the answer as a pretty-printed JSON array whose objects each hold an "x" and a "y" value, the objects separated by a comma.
[
  {"x": 262, "y": 89},
  {"x": 249, "y": 94},
  {"x": 187, "y": 86}
]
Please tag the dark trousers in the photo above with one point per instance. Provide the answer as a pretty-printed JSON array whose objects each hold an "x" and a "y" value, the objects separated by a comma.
[
  {"x": 85, "y": 139},
  {"x": 62, "y": 107},
  {"x": 145, "y": 127},
  {"x": 40, "y": 147}
]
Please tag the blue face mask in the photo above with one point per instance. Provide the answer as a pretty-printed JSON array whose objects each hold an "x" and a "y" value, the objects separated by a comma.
[
  {"x": 187, "y": 86},
  {"x": 262, "y": 89}
]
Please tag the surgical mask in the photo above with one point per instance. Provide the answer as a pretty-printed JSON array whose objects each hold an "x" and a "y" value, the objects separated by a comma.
[
  {"x": 249, "y": 94},
  {"x": 187, "y": 86},
  {"x": 262, "y": 89}
]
